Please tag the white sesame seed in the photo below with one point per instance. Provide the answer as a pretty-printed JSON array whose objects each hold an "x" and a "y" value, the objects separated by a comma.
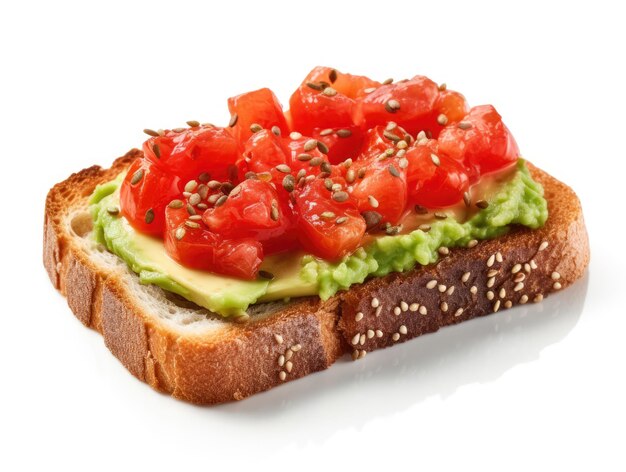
[
  {"x": 519, "y": 286},
  {"x": 355, "y": 339},
  {"x": 465, "y": 277},
  {"x": 443, "y": 306},
  {"x": 557, "y": 286},
  {"x": 355, "y": 354},
  {"x": 533, "y": 264},
  {"x": 370, "y": 333},
  {"x": 491, "y": 281},
  {"x": 492, "y": 273},
  {"x": 281, "y": 360},
  {"x": 288, "y": 354},
  {"x": 362, "y": 339},
  {"x": 423, "y": 310},
  {"x": 450, "y": 290},
  {"x": 499, "y": 257},
  {"x": 296, "y": 347},
  {"x": 379, "y": 333},
  {"x": 379, "y": 310},
  {"x": 458, "y": 312},
  {"x": 397, "y": 311},
  {"x": 431, "y": 284},
  {"x": 442, "y": 288},
  {"x": 362, "y": 353},
  {"x": 289, "y": 366},
  {"x": 490, "y": 295},
  {"x": 508, "y": 304},
  {"x": 474, "y": 289},
  {"x": 538, "y": 298},
  {"x": 523, "y": 299},
  {"x": 404, "y": 306},
  {"x": 502, "y": 293},
  {"x": 282, "y": 375},
  {"x": 375, "y": 302},
  {"x": 555, "y": 275},
  {"x": 444, "y": 251},
  {"x": 395, "y": 336},
  {"x": 372, "y": 201},
  {"x": 496, "y": 306},
  {"x": 491, "y": 260},
  {"x": 295, "y": 135},
  {"x": 472, "y": 243},
  {"x": 543, "y": 245},
  {"x": 358, "y": 316},
  {"x": 402, "y": 329},
  {"x": 519, "y": 277},
  {"x": 278, "y": 338},
  {"x": 516, "y": 268},
  {"x": 527, "y": 267},
  {"x": 414, "y": 306}
]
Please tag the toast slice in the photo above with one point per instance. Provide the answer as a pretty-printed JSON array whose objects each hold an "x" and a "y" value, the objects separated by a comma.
[{"x": 194, "y": 355}]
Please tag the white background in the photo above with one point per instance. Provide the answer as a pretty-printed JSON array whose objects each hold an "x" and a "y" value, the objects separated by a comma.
[{"x": 535, "y": 388}]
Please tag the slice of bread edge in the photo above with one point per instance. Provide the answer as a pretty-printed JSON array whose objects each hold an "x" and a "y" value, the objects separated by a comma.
[{"x": 283, "y": 342}]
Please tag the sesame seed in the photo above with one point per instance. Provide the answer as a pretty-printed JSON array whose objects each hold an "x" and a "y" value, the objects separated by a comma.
[
  {"x": 288, "y": 354},
  {"x": 288, "y": 366},
  {"x": 424, "y": 227},
  {"x": 431, "y": 284},
  {"x": 341, "y": 220},
  {"x": 387, "y": 81},
  {"x": 180, "y": 233},
  {"x": 482, "y": 204},
  {"x": 557, "y": 286},
  {"x": 370, "y": 334},
  {"x": 149, "y": 218},
  {"x": 443, "y": 307},
  {"x": 329, "y": 92},
  {"x": 474, "y": 289},
  {"x": 444, "y": 251},
  {"x": 518, "y": 287},
  {"x": 527, "y": 267},
  {"x": 355, "y": 354},
  {"x": 423, "y": 310},
  {"x": 491, "y": 260},
  {"x": 151, "y": 132},
  {"x": 340, "y": 196},
  {"x": 403, "y": 163},
  {"x": 113, "y": 210},
  {"x": 192, "y": 224},
  {"x": 464, "y": 125},
  {"x": 414, "y": 306},
  {"x": 191, "y": 186},
  {"x": 491, "y": 281},
  {"x": 369, "y": 89},
  {"x": 156, "y": 150},
  {"x": 538, "y": 298},
  {"x": 362, "y": 353},
  {"x": 194, "y": 199},
  {"x": 435, "y": 159},
  {"x": 443, "y": 87},
  {"x": 362, "y": 339},
  {"x": 458, "y": 312},
  {"x": 490, "y": 295},
  {"x": 519, "y": 277},
  {"x": 281, "y": 360},
  {"x": 496, "y": 306},
  {"x": 397, "y": 311},
  {"x": 294, "y": 135},
  {"x": 467, "y": 199},
  {"x": 555, "y": 276},
  {"x": 442, "y": 119},
  {"x": 278, "y": 338},
  {"x": 372, "y": 201},
  {"x": 355, "y": 339},
  {"x": 465, "y": 277},
  {"x": 375, "y": 302},
  {"x": 326, "y": 132},
  {"x": 523, "y": 299},
  {"x": 276, "y": 130},
  {"x": 508, "y": 304},
  {"x": 450, "y": 290},
  {"x": 516, "y": 268},
  {"x": 492, "y": 273},
  {"x": 310, "y": 145},
  {"x": 442, "y": 288},
  {"x": 440, "y": 216},
  {"x": 195, "y": 217},
  {"x": 255, "y": 127},
  {"x": 233, "y": 120},
  {"x": 358, "y": 316},
  {"x": 379, "y": 333},
  {"x": 499, "y": 257},
  {"x": 404, "y": 306},
  {"x": 502, "y": 293},
  {"x": 472, "y": 243},
  {"x": 403, "y": 329},
  {"x": 296, "y": 347},
  {"x": 392, "y": 106},
  {"x": 282, "y": 375},
  {"x": 379, "y": 310},
  {"x": 543, "y": 245},
  {"x": 533, "y": 264},
  {"x": 221, "y": 200},
  {"x": 393, "y": 171},
  {"x": 289, "y": 183},
  {"x": 284, "y": 168},
  {"x": 137, "y": 176},
  {"x": 395, "y": 336}
]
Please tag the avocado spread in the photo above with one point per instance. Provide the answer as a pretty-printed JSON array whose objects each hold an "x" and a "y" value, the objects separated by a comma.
[{"x": 519, "y": 201}]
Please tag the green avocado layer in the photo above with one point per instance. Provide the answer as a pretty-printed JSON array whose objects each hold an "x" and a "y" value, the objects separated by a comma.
[{"x": 519, "y": 201}]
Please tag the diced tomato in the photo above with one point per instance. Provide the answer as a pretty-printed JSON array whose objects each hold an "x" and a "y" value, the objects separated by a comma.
[
  {"x": 260, "y": 107},
  {"x": 409, "y": 103},
  {"x": 144, "y": 194},
  {"x": 434, "y": 179},
  {"x": 382, "y": 188},
  {"x": 381, "y": 139},
  {"x": 193, "y": 245},
  {"x": 325, "y": 100},
  {"x": 252, "y": 210},
  {"x": 329, "y": 223},
  {"x": 189, "y": 153},
  {"x": 264, "y": 151},
  {"x": 305, "y": 153},
  {"x": 342, "y": 143},
  {"x": 481, "y": 141}
]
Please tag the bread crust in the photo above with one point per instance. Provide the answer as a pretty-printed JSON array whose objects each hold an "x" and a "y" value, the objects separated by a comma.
[{"x": 243, "y": 359}]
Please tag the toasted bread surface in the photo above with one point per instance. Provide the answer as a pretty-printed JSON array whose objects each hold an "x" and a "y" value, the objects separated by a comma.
[{"x": 198, "y": 357}]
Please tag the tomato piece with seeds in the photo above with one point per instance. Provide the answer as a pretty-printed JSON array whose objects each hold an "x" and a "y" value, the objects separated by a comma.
[
  {"x": 434, "y": 180},
  {"x": 260, "y": 107},
  {"x": 342, "y": 143},
  {"x": 383, "y": 140},
  {"x": 145, "y": 192},
  {"x": 329, "y": 224},
  {"x": 481, "y": 141},
  {"x": 192, "y": 244},
  {"x": 409, "y": 103}
]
